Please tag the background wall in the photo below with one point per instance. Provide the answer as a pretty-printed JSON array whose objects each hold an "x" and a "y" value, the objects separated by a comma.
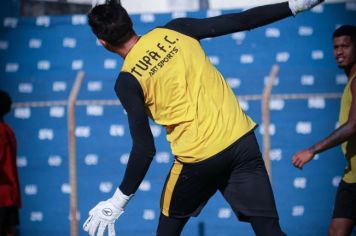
[
  {"x": 39, "y": 60},
  {"x": 66, "y": 7}
]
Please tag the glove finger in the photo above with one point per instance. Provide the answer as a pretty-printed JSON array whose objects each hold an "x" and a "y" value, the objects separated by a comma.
[
  {"x": 101, "y": 228},
  {"x": 86, "y": 224},
  {"x": 111, "y": 229},
  {"x": 93, "y": 226}
]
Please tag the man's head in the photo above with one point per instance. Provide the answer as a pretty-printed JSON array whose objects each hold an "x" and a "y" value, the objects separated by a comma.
[
  {"x": 5, "y": 103},
  {"x": 344, "y": 39},
  {"x": 111, "y": 24}
]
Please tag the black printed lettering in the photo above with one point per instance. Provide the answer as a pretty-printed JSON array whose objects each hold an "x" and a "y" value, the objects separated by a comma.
[
  {"x": 145, "y": 67},
  {"x": 168, "y": 41},
  {"x": 161, "y": 47},
  {"x": 133, "y": 70}
]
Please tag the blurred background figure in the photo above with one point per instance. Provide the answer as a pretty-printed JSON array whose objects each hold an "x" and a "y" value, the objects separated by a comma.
[{"x": 10, "y": 199}]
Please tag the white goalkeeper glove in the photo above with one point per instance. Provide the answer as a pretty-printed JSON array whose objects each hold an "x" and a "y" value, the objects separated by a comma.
[
  {"x": 297, "y": 6},
  {"x": 105, "y": 213}
]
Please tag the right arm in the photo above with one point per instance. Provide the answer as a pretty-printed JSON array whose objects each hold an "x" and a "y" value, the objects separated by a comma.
[
  {"x": 105, "y": 213},
  {"x": 143, "y": 149},
  {"x": 340, "y": 135}
]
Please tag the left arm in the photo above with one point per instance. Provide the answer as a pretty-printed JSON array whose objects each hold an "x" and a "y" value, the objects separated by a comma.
[{"x": 340, "y": 135}]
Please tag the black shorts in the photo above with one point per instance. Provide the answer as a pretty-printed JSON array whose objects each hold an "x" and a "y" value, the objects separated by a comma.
[
  {"x": 9, "y": 217},
  {"x": 238, "y": 172},
  {"x": 345, "y": 202}
]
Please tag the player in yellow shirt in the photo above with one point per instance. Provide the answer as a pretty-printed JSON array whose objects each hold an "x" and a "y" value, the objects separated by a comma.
[
  {"x": 166, "y": 76},
  {"x": 344, "y": 216}
]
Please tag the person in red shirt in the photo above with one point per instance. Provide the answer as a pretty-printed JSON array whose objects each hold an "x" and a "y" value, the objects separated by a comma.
[{"x": 10, "y": 199}]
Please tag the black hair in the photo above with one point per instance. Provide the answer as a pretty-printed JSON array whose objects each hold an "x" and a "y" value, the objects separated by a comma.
[
  {"x": 5, "y": 103},
  {"x": 346, "y": 30},
  {"x": 111, "y": 22}
]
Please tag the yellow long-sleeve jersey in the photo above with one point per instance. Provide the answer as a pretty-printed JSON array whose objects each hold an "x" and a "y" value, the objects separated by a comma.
[{"x": 186, "y": 94}]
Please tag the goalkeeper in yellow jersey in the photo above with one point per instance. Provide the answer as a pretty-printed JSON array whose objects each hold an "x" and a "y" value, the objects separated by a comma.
[{"x": 166, "y": 76}]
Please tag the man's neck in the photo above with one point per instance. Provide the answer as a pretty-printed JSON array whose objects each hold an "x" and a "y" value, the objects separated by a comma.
[
  {"x": 124, "y": 49},
  {"x": 350, "y": 72}
]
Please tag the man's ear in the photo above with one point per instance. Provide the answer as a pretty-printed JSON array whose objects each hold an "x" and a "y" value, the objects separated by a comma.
[
  {"x": 107, "y": 45},
  {"x": 103, "y": 42}
]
